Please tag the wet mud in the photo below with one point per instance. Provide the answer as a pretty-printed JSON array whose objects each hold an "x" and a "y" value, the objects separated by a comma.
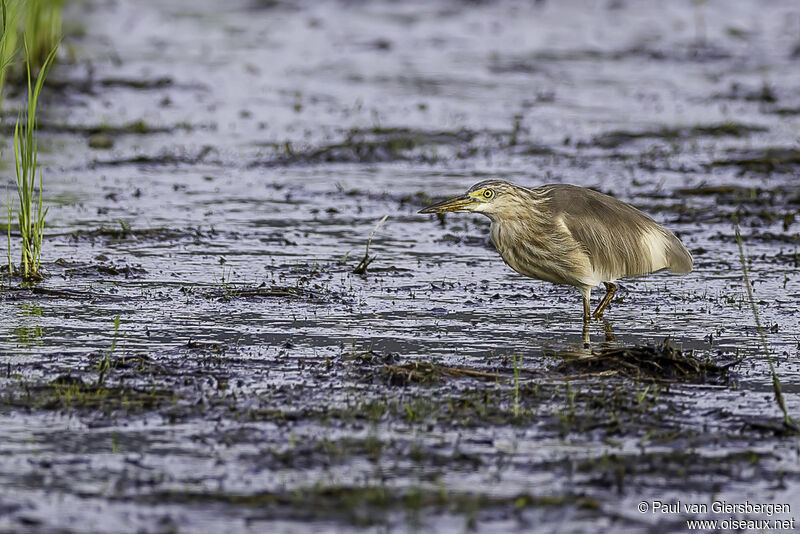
[{"x": 201, "y": 357}]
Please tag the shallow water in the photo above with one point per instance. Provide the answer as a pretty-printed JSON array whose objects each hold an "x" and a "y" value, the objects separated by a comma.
[{"x": 253, "y": 153}]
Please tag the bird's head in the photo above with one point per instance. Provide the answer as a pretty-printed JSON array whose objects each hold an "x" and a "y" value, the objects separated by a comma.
[{"x": 489, "y": 197}]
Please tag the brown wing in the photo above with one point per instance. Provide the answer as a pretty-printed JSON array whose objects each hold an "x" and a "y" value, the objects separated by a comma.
[{"x": 619, "y": 239}]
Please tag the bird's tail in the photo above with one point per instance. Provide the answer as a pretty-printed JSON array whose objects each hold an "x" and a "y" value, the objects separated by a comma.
[{"x": 679, "y": 258}]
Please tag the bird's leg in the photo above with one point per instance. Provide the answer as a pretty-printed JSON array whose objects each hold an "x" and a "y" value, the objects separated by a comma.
[
  {"x": 587, "y": 294},
  {"x": 610, "y": 290}
]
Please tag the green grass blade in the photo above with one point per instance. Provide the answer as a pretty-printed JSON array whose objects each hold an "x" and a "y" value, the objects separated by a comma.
[
  {"x": 776, "y": 383},
  {"x": 26, "y": 164}
]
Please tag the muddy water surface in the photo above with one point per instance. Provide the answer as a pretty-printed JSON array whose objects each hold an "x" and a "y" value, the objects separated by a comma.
[{"x": 213, "y": 178}]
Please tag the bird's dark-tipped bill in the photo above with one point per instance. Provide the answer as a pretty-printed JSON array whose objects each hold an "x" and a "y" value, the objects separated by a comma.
[{"x": 462, "y": 203}]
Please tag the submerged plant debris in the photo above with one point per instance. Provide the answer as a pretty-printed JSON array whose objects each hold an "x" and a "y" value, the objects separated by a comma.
[
  {"x": 200, "y": 356},
  {"x": 425, "y": 373},
  {"x": 655, "y": 362}
]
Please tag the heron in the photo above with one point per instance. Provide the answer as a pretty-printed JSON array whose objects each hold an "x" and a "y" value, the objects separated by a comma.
[{"x": 565, "y": 234}]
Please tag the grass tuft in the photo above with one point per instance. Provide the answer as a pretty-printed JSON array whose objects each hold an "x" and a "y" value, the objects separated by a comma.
[
  {"x": 38, "y": 23},
  {"x": 42, "y": 31},
  {"x": 8, "y": 39},
  {"x": 31, "y": 221}
]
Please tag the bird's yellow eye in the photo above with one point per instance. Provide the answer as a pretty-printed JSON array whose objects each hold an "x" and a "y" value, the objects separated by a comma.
[{"x": 488, "y": 193}]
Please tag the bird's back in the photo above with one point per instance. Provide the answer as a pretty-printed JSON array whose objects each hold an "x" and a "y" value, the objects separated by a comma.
[{"x": 619, "y": 240}]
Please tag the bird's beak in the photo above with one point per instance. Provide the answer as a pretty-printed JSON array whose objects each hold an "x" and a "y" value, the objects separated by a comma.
[{"x": 460, "y": 203}]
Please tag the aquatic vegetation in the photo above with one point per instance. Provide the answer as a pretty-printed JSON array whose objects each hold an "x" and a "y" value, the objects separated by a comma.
[
  {"x": 104, "y": 365},
  {"x": 8, "y": 230},
  {"x": 361, "y": 268},
  {"x": 384, "y": 145},
  {"x": 8, "y": 39},
  {"x": 35, "y": 22},
  {"x": 425, "y": 373},
  {"x": 42, "y": 29},
  {"x": 657, "y": 363},
  {"x": 617, "y": 138},
  {"x": 765, "y": 160},
  {"x": 517, "y": 364},
  {"x": 31, "y": 213}
]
